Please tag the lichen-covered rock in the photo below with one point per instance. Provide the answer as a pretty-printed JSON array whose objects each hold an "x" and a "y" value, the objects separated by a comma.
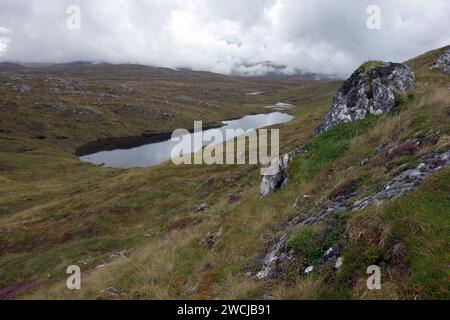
[
  {"x": 370, "y": 90},
  {"x": 406, "y": 181},
  {"x": 443, "y": 62},
  {"x": 276, "y": 177}
]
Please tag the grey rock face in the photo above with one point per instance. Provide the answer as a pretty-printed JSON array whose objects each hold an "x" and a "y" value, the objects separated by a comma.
[
  {"x": 270, "y": 259},
  {"x": 276, "y": 176},
  {"x": 406, "y": 181},
  {"x": 443, "y": 63},
  {"x": 370, "y": 90}
]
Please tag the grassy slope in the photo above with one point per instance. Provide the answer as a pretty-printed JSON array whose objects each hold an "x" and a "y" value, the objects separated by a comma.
[
  {"x": 407, "y": 238},
  {"x": 55, "y": 220},
  {"x": 171, "y": 262},
  {"x": 56, "y": 210}
]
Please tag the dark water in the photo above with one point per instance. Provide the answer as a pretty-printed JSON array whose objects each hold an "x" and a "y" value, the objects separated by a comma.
[{"x": 159, "y": 152}]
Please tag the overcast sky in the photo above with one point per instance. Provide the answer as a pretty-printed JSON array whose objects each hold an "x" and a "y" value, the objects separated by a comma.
[{"x": 325, "y": 36}]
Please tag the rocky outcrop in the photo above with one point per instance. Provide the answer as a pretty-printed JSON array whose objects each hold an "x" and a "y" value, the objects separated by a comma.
[
  {"x": 276, "y": 176},
  {"x": 270, "y": 259},
  {"x": 443, "y": 62},
  {"x": 406, "y": 181},
  {"x": 370, "y": 90},
  {"x": 396, "y": 187}
]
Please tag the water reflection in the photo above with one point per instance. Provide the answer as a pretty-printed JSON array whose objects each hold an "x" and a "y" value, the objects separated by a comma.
[{"x": 159, "y": 152}]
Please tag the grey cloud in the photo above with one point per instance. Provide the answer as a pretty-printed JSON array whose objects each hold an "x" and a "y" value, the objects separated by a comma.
[{"x": 325, "y": 36}]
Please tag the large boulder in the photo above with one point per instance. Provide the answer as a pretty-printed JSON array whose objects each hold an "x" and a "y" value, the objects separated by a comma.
[
  {"x": 443, "y": 62},
  {"x": 371, "y": 89}
]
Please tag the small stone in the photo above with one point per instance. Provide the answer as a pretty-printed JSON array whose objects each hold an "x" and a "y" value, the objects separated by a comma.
[
  {"x": 203, "y": 207},
  {"x": 211, "y": 238},
  {"x": 364, "y": 162},
  {"x": 264, "y": 273},
  {"x": 309, "y": 270},
  {"x": 339, "y": 263},
  {"x": 111, "y": 292},
  {"x": 118, "y": 255}
]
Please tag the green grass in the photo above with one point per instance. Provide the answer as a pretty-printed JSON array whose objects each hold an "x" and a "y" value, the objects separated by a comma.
[
  {"x": 370, "y": 65},
  {"x": 305, "y": 243},
  {"x": 326, "y": 148},
  {"x": 311, "y": 242},
  {"x": 407, "y": 238},
  {"x": 421, "y": 222},
  {"x": 47, "y": 193},
  {"x": 52, "y": 263}
]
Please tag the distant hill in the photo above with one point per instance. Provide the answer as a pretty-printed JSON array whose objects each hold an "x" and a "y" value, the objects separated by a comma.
[
  {"x": 10, "y": 66},
  {"x": 271, "y": 69},
  {"x": 264, "y": 69}
]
